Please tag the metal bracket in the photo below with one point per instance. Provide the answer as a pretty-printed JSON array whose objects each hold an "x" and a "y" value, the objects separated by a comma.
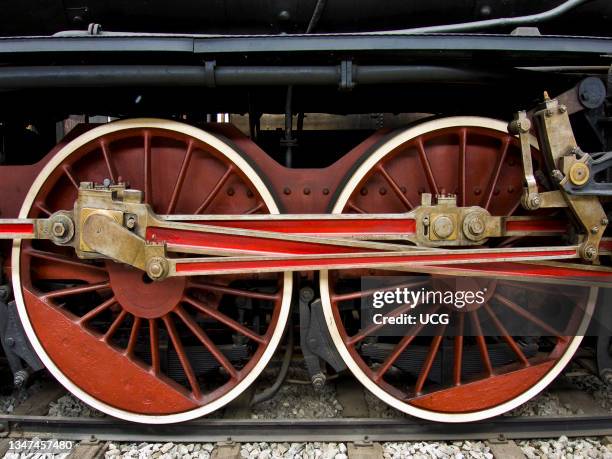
[
  {"x": 315, "y": 340},
  {"x": 562, "y": 154},
  {"x": 16, "y": 345},
  {"x": 347, "y": 83},
  {"x": 209, "y": 74}
]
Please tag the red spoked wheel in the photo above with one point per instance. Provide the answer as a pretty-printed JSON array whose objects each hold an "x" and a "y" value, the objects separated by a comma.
[
  {"x": 145, "y": 351},
  {"x": 470, "y": 375}
]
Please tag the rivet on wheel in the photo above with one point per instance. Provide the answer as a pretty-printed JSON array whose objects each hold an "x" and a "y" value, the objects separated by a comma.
[{"x": 287, "y": 190}]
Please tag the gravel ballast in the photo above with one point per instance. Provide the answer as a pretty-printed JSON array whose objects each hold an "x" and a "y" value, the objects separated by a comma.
[{"x": 70, "y": 406}]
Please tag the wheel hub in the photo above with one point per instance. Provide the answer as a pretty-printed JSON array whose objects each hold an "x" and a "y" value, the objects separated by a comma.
[{"x": 142, "y": 296}]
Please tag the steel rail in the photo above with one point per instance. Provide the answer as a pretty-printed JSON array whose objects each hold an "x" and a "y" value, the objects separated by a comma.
[{"x": 344, "y": 429}]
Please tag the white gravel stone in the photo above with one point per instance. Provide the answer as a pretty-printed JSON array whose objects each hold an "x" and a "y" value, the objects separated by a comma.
[
  {"x": 299, "y": 401},
  {"x": 566, "y": 448},
  {"x": 315, "y": 450},
  {"x": 442, "y": 450},
  {"x": 70, "y": 406},
  {"x": 543, "y": 404}
]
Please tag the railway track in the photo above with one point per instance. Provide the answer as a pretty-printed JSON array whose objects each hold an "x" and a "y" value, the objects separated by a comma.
[
  {"x": 358, "y": 423},
  {"x": 361, "y": 429},
  {"x": 283, "y": 430}
]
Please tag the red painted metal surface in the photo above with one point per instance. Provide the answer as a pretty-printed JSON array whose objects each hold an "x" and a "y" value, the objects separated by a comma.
[
  {"x": 438, "y": 162},
  {"x": 102, "y": 324},
  {"x": 484, "y": 393},
  {"x": 535, "y": 226},
  {"x": 25, "y": 229},
  {"x": 240, "y": 244},
  {"x": 91, "y": 364},
  {"x": 373, "y": 261},
  {"x": 318, "y": 226}
]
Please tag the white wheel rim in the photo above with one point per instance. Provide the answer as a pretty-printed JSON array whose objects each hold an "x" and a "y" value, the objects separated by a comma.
[
  {"x": 266, "y": 196},
  {"x": 380, "y": 152}
]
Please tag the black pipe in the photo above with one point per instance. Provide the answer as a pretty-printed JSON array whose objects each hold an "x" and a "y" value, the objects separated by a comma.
[{"x": 181, "y": 75}]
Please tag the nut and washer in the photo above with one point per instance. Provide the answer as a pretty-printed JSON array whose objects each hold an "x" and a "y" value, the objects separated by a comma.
[
  {"x": 474, "y": 226},
  {"x": 58, "y": 229},
  {"x": 443, "y": 226},
  {"x": 130, "y": 221},
  {"x": 157, "y": 268},
  {"x": 61, "y": 229},
  {"x": 590, "y": 252}
]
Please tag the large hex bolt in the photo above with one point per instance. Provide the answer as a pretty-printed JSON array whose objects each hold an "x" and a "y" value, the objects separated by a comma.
[
  {"x": 443, "y": 226},
  {"x": 61, "y": 229},
  {"x": 157, "y": 268},
  {"x": 318, "y": 381},
  {"x": 589, "y": 252},
  {"x": 474, "y": 226},
  {"x": 58, "y": 229}
]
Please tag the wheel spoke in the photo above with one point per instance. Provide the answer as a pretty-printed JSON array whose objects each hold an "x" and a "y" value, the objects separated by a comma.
[
  {"x": 147, "y": 167},
  {"x": 213, "y": 193},
  {"x": 234, "y": 291},
  {"x": 364, "y": 333},
  {"x": 337, "y": 297},
  {"x": 527, "y": 315},
  {"x": 43, "y": 208},
  {"x": 257, "y": 208},
  {"x": 398, "y": 350},
  {"x": 495, "y": 177},
  {"x": 355, "y": 208},
  {"x": 178, "y": 347},
  {"x": 425, "y": 162},
  {"x": 115, "y": 325},
  {"x": 482, "y": 343},
  {"x": 57, "y": 258},
  {"x": 429, "y": 360},
  {"x": 69, "y": 173},
  {"x": 97, "y": 310},
  {"x": 506, "y": 336},
  {"x": 395, "y": 187},
  {"x": 462, "y": 159},
  {"x": 129, "y": 350},
  {"x": 206, "y": 341},
  {"x": 107, "y": 160},
  {"x": 154, "y": 343},
  {"x": 225, "y": 320},
  {"x": 178, "y": 184},
  {"x": 458, "y": 354},
  {"x": 76, "y": 290}
]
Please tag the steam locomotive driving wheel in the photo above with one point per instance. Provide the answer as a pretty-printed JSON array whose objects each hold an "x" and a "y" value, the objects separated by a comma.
[
  {"x": 466, "y": 376},
  {"x": 146, "y": 351}
]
